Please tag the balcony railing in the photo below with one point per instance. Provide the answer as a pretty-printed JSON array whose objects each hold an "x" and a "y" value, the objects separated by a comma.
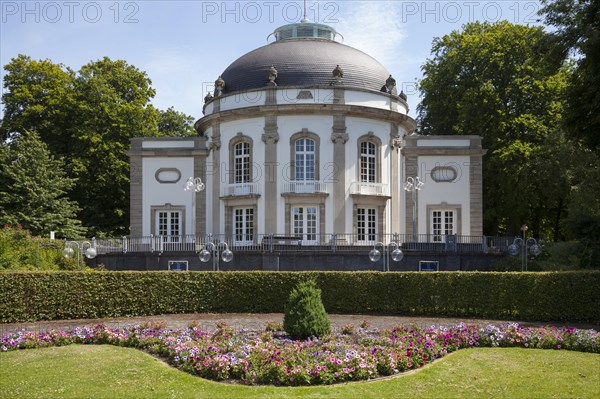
[
  {"x": 318, "y": 243},
  {"x": 240, "y": 189},
  {"x": 365, "y": 188},
  {"x": 304, "y": 187}
]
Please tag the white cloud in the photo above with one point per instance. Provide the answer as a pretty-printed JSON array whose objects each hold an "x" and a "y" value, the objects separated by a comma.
[{"x": 374, "y": 27}]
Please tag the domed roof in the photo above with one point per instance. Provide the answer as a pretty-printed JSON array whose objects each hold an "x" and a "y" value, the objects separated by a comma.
[{"x": 304, "y": 61}]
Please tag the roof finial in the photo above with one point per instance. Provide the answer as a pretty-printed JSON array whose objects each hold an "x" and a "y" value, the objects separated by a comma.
[{"x": 304, "y": 19}]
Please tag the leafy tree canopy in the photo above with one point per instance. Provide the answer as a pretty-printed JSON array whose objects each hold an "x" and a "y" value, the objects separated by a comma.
[
  {"x": 493, "y": 80},
  {"x": 88, "y": 117},
  {"x": 578, "y": 31},
  {"x": 34, "y": 187},
  {"x": 173, "y": 123}
]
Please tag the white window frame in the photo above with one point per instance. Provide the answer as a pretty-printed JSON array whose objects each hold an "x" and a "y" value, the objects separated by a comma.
[
  {"x": 305, "y": 159},
  {"x": 368, "y": 162},
  {"x": 443, "y": 223},
  {"x": 305, "y": 223},
  {"x": 242, "y": 162},
  {"x": 366, "y": 224},
  {"x": 169, "y": 224},
  {"x": 244, "y": 220}
]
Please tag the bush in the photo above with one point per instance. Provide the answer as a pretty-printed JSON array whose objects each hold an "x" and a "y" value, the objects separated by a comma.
[
  {"x": 19, "y": 250},
  {"x": 561, "y": 256},
  {"x": 572, "y": 296},
  {"x": 305, "y": 314}
]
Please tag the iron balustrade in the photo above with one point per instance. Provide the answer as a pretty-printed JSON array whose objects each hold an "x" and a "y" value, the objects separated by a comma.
[
  {"x": 331, "y": 242},
  {"x": 240, "y": 189},
  {"x": 365, "y": 188},
  {"x": 304, "y": 187}
]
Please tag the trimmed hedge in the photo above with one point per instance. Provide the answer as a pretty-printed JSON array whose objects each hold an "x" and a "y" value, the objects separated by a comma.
[{"x": 552, "y": 296}]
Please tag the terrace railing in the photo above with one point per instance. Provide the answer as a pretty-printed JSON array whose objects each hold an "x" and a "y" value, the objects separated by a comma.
[{"x": 334, "y": 242}]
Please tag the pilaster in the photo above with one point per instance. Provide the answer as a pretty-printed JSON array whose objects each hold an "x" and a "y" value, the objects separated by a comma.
[
  {"x": 270, "y": 137},
  {"x": 411, "y": 170},
  {"x": 135, "y": 195},
  {"x": 476, "y": 197},
  {"x": 339, "y": 137},
  {"x": 215, "y": 147},
  {"x": 395, "y": 178},
  {"x": 200, "y": 171}
]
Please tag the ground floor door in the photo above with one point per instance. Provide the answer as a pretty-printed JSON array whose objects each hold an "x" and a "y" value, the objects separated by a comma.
[
  {"x": 244, "y": 226},
  {"x": 305, "y": 224},
  {"x": 443, "y": 223},
  {"x": 168, "y": 225},
  {"x": 366, "y": 225}
]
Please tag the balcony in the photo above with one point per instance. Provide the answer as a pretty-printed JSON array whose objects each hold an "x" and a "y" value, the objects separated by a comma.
[
  {"x": 366, "y": 188},
  {"x": 304, "y": 187},
  {"x": 240, "y": 189}
]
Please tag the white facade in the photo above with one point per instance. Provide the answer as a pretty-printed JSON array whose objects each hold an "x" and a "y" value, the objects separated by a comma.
[{"x": 307, "y": 161}]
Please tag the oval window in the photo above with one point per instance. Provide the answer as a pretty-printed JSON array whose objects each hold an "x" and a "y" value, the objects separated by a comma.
[
  {"x": 168, "y": 175},
  {"x": 444, "y": 174}
]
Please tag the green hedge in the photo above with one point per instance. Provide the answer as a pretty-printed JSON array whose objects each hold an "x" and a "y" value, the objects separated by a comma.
[{"x": 552, "y": 296}]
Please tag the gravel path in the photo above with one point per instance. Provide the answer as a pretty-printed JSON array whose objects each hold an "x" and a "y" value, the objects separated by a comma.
[{"x": 257, "y": 322}]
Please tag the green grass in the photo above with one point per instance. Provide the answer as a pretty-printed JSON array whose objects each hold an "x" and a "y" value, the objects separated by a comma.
[{"x": 106, "y": 371}]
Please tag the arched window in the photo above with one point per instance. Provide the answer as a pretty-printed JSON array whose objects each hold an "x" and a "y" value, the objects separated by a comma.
[
  {"x": 304, "y": 156},
  {"x": 240, "y": 159},
  {"x": 369, "y": 159},
  {"x": 368, "y": 162},
  {"x": 305, "y": 160},
  {"x": 241, "y": 162}
]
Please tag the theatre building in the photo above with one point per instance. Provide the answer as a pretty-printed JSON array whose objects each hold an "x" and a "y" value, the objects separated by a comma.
[{"x": 310, "y": 140}]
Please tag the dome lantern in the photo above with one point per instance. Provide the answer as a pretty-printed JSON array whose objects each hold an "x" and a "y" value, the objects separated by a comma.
[{"x": 305, "y": 30}]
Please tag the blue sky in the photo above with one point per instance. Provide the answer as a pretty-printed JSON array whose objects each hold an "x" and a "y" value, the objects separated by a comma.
[{"x": 183, "y": 46}]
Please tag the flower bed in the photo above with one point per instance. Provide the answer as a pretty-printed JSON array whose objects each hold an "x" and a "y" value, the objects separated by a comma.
[{"x": 271, "y": 358}]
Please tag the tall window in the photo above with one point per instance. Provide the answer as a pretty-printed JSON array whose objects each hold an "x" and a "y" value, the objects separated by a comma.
[
  {"x": 366, "y": 224},
  {"x": 368, "y": 162},
  {"x": 304, "y": 160},
  {"x": 169, "y": 225},
  {"x": 244, "y": 225},
  {"x": 442, "y": 224},
  {"x": 305, "y": 223},
  {"x": 241, "y": 162}
]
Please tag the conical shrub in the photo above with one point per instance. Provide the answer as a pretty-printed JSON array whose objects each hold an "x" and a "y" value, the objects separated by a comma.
[{"x": 305, "y": 315}]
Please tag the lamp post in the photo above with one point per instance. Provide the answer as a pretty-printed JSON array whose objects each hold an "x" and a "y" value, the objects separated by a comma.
[
  {"x": 414, "y": 184},
  {"x": 212, "y": 248},
  {"x": 523, "y": 246},
  {"x": 90, "y": 252},
  {"x": 375, "y": 254},
  {"x": 195, "y": 185}
]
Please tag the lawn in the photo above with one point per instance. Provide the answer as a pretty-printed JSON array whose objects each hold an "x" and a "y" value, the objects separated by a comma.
[{"x": 106, "y": 371}]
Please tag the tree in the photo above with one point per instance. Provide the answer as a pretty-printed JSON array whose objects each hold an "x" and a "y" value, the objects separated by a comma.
[
  {"x": 493, "y": 80},
  {"x": 173, "y": 123},
  {"x": 33, "y": 189},
  {"x": 582, "y": 222},
  {"x": 38, "y": 96},
  {"x": 305, "y": 314},
  {"x": 578, "y": 32},
  {"x": 87, "y": 118},
  {"x": 112, "y": 105}
]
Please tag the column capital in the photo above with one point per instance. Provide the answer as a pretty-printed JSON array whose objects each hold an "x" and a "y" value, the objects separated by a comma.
[
  {"x": 215, "y": 143},
  {"x": 339, "y": 137},
  {"x": 270, "y": 137},
  {"x": 271, "y": 130}
]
